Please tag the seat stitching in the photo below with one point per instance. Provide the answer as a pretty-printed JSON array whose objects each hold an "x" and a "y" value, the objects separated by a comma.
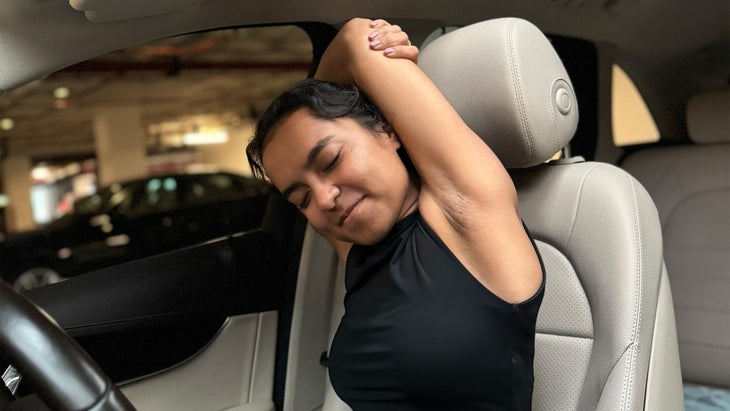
[
  {"x": 639, "y": 295},
  {"x": 613, "y": 367},
  {"x": 518, "y": 90},
  {"x": 564, "y": 335},
  {"x": 577, "y": 204}
]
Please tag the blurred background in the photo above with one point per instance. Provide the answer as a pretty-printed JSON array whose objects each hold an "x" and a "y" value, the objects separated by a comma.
[
  {"x": 173, "y": 105},
  {"x": 139, "y": 151}
]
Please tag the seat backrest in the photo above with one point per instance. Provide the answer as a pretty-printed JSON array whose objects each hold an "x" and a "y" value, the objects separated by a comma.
[
  {"x": 606, "y": 336},
  {"x": 690, "y": 185}
]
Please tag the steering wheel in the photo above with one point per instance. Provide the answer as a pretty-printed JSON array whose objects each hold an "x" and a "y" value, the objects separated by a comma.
[{"x": 62, "y": 373}]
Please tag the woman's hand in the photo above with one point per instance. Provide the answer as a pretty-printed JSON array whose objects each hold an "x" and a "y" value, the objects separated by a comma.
[
  {"x": 377, "y": 35},
  {"x": 392, "y": 40}
]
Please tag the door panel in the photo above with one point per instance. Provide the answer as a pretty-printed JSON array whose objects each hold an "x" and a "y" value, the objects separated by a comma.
[
  {"x": 147, "y": 315},
  {"x": 235, "y": 370}
]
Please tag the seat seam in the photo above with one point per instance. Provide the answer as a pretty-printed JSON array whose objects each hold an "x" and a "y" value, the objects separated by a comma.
[
  {"x": 630, "y": 374},
  {"x": 613, "y": 367},
  {"x": 518, "y": 89},
  {"x": 565, "y": 335},
  {"x": 577, "y": 205}
]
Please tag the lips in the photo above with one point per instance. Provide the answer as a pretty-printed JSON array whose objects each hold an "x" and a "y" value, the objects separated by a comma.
[{"x": 347, "y": 212}]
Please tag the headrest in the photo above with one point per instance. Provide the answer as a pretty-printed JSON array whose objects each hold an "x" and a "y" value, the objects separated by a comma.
[
  {"x": 708, "y": 117},
  {"x": 508, "y": 84}
]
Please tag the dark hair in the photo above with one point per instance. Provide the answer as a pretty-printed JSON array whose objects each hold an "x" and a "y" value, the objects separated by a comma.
[{"x": 324, "y": 99}]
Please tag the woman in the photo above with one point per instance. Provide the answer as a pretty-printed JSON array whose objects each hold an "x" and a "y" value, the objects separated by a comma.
[{"x": 443, "y": 281}]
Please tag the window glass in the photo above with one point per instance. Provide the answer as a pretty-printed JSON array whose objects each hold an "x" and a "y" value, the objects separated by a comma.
[
  {"x": 130, "y": 145},
  {"x": 631, "y": 120},
  {"x": 209, "y": 188},
  {"x": 158, "y": 194}
]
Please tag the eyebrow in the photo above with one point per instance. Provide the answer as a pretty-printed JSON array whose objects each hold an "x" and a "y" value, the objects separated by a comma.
[{"x": 311, "y": 157}]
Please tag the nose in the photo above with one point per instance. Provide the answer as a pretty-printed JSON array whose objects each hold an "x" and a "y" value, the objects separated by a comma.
[{"x": 325, "y": 196}]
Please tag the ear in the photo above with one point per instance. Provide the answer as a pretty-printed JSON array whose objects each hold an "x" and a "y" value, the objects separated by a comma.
[
  {"x": 384, "y": 129},
  {"x": 390, "y": 134},
  {"x": 393, "y": 137}
]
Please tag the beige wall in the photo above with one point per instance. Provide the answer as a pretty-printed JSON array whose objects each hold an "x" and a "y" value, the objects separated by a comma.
[
  {"x": 16, "y": 182},
  {"x": 230, "y": 156}
]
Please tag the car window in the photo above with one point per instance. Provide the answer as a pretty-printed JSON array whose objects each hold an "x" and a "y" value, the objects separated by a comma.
[
  {"x": 632, "y": 123},
  {"x": 145, "y": 144},
  {"x": 211, "y": 188},
  {"x": 88, "y": 205},
  {"x": 155, "y": 195},
  {"x": 207, "y": 188}
]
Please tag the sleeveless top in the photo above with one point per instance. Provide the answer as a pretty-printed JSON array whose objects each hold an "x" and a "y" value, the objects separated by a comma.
[{"x": 421, "y": 333}]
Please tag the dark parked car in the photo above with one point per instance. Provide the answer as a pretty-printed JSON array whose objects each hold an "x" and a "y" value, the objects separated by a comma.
[{"x": 133, "y": 219}]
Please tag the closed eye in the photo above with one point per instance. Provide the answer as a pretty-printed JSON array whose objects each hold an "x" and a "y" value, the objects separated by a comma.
[
  {"x": 305, "y": 200},
  {"x": 333, "y": 163}
]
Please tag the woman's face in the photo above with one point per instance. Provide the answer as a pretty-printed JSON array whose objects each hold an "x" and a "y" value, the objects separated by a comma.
[{"x": 348, "y": 181}]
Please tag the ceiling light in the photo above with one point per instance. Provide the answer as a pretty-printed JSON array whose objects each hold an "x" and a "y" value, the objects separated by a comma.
[
  {"x": 6, "y": 124},
  {"x": 41, "y": 173},
  {"x": 61, "y": 93},
  {"x": 218, "y": 137}
]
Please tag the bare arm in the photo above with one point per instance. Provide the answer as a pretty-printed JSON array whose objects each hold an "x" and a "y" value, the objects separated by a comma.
[
  {"x": 445, "y": 151},
  {"x": 466, "y": 194}
]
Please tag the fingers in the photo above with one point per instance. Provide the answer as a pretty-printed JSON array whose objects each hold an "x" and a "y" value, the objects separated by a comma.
[
  {"x": 392, "y": 40},
  {"x": 385, "y": 35},
  {"x": 388, "y": 37},
  {"x": 406, "y": 52}
]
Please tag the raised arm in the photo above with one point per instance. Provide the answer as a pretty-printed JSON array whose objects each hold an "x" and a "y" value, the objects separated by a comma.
[
  {"x": 446, "y": 153},
  {"x": 466, "y": 194}
]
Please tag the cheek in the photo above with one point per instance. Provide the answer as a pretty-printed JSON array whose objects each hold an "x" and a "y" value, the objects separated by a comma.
[
  {"x": 391, "y": 171},
  {"x": 316, "y": 219},
  {"x": 378, "y": 171}
]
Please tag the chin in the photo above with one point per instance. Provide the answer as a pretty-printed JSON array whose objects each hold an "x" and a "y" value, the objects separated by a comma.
[{"x": 371, "y": 237}]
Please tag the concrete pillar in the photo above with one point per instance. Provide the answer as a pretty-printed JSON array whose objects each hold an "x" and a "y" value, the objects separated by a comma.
[
  {"x": 230, "y": 156},
  {"x": 121, "y": 152},
  {"x": 16, "y": 183}
]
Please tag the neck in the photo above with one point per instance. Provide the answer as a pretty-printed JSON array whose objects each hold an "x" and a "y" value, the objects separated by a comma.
[{"x": 411, "y": 201}]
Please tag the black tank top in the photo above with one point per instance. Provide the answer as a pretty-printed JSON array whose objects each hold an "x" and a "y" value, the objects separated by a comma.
[{"x": 421, "y": 333}]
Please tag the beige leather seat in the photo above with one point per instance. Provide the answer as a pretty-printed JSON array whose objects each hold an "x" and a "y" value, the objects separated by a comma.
[
  {"x": 690, "y": 185},
  {"x": 606, "y": 334}
]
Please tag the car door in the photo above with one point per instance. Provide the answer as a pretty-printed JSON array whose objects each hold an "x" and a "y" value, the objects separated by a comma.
[
  {"x": 202, "y": 327},
  {"x": 199, "y": 326}
]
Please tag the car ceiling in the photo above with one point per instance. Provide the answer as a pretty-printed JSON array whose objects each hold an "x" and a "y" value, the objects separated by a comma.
[{"x": 658, "y": 42}]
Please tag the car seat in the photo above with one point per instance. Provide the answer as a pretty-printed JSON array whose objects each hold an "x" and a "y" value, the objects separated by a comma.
[
  {"x": 606, "y": 335},
  {"x": 690, "y": 184}
]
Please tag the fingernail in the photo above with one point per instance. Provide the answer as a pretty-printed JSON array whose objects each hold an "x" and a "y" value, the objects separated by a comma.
[
  {"x": 373, "y": 35},
  {"x": 374, "y": 43},
  {"x": 374, "y": 23},
  {"x": 388, "y": 51}
]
